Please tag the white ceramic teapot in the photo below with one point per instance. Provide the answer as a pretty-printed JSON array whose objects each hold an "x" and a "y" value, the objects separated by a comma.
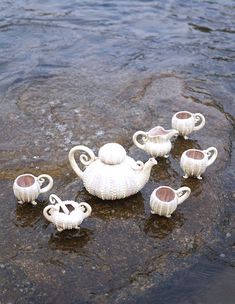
[
  {"x": 66, "y": 214},
  {"x": 112, "y": 175},
  {"x": 156, "y": 142}
]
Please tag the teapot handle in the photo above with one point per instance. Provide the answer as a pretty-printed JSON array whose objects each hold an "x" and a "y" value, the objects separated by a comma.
[
  {"x": 182, "y": 194},
  {"x": 201, "y": 119},
  {"x": 41, "y": 179},
  {"x": 84, "y": 159},
  {"x": 211, "y": 154},
  {"x": 86, "y": 208},
  {"x": 145, "y": 138}
]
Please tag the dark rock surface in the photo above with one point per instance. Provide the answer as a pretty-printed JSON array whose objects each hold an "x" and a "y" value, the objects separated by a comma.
[{"x": 122, "y": 250}]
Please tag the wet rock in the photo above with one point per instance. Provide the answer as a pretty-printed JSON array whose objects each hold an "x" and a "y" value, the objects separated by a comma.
[{"x": 122, "y": 249}]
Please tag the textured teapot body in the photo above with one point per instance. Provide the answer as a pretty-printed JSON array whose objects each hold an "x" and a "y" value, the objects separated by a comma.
[
  {"x": 114, "y": 177},
  {"x": 155, "y": 142},
  {"x": 194, "y": 162},
  {"x": 66, "y": 214}
]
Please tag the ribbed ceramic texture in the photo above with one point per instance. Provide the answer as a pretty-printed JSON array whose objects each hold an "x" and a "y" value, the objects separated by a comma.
[
  {"x": 184, "y": 126},
  {"x": 116, "y": 181},
  {"x": 158, "y": 145},
  {"x": 110, "y": 181},
  {"x": 26, "y": 194},
  {"x": 166, "y": 208},
  {"x": 188, "y": 125},
  {"x": 162, "y": 208},
  {"x": 64, "y": 221},
  {"x": 193, "y": 167},
  {"x": 112, "y": 154}
]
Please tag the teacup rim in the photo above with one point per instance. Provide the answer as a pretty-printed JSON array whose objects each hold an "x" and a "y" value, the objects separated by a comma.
[
  {"x": 160, "y": 187},
  {"x": 25, "y": 174},
  {"x": 191, "y": 114},
  {"x": 197, "y": 150}
]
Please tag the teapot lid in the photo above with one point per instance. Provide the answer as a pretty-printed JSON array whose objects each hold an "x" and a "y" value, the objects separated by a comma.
[{"x": 112, "y": 154}]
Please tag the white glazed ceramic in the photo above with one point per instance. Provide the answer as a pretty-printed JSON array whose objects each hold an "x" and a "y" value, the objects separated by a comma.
[
  {"x": 112, "y": 175},
  {"x": 27, "y": 187},
  {"x": 66, "y": 214},
  {"x": 164, "y": 200},
  {"x": 186, "y": 122},
  {"x": 194, "y": 162},
  {"x": 156, "y": 142}
]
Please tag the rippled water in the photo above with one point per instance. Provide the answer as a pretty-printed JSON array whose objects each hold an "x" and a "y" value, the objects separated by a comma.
[{"x": 87, "y": 72}]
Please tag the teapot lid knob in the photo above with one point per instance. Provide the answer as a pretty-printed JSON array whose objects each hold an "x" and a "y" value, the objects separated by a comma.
[{"x": 112, "y": 154}]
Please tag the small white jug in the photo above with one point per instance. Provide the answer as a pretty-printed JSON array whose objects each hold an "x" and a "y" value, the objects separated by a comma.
[
  {"x": 27, "y": 187},
  {"x": 194, "y": 162},
  {"x": 156, "y": 141},
  {"x": 164, "y": 200},
  {"x": 66, "y": 214},
  {"x": 185, "y": 122}
]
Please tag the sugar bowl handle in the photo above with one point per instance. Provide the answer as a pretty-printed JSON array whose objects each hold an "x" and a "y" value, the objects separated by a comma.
[{"x": 86, "y": 208}]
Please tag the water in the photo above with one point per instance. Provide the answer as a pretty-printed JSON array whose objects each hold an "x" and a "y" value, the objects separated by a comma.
[{"x": 90, "y": 72}]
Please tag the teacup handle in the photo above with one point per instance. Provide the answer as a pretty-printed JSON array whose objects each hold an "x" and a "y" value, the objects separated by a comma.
[
  {"x": 41, "y": 180},
  {"x": 182, "y": 194},
  {"x": 144, "y": 136},
  {"x": 212, "y": 154},
  {"x": 201, "y": 119},
  {"x": 86, "y": 208}
]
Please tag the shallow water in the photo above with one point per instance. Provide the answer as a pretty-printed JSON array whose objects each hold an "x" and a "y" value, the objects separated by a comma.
[{"x": 90, "y": 72}]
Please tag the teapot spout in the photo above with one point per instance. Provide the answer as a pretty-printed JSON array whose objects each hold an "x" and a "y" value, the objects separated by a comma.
[{"x": 148, "y": 165}]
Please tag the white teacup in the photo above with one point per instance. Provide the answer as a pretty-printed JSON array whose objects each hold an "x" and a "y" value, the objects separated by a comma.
[
  {"x": 194, "y": 162},
  {"x": 164, "y": 200},
  {"x": 185, "y": 122},
  {"x": 27, "y": 187}
]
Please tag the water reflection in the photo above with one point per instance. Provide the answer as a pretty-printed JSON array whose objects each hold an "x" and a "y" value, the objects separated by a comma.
[
  {"x": 197, "y": 186},
  {"x": 182, "y": 145},
  {"x": 27, "y": 215},
  {"x": 129, "y": 207},
  {"x": 160, "y": 227},
  {"x": 70, "y": 240}
]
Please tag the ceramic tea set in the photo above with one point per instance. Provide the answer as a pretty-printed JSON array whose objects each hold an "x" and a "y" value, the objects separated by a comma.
[{"x": 114, "y": 175}]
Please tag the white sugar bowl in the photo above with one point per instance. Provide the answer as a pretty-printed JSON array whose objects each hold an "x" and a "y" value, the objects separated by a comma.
[{"x": 66, "y": 214}]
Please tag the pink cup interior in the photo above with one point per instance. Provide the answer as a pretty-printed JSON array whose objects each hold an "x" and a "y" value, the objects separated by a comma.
[
  {"x": 157, "y": 131},
  {"x": 25, "y": 181},
  {"x": 165, "y": 194},
  {"x": 195, "y": 154},
  {"x": 183, "y": 115}
]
